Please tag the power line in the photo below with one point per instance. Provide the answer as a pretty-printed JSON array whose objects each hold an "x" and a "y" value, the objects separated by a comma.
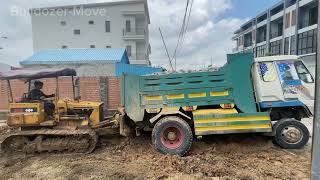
[
  {"x": 186, "y": 28},
  {"x": 181, "y": 33},
  {"x": 165, "y": 46}
]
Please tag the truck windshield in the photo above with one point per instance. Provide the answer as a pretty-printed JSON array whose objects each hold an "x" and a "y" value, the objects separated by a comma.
[
  {"x": 287, "y": 71},
  {"x": 294, "y": 70}
]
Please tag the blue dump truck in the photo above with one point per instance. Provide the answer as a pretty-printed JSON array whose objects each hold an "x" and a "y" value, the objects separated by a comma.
[{"x": 266, "y": 95}]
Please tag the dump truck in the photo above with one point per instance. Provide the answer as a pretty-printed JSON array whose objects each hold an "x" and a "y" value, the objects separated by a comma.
[{"x": 268, "y": 95}]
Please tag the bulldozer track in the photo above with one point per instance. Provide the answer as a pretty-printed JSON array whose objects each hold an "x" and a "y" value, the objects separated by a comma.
[{"x": 50, "y": 140}]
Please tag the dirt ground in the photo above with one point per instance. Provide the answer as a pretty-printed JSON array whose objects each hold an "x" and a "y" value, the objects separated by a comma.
[{"x": 215, "y": 157}]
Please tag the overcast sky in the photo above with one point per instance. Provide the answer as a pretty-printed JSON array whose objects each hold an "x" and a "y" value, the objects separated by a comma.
[{"x": 211, "y": 27}]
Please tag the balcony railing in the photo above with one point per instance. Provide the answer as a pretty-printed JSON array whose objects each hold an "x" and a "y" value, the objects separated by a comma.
[
  {"x": 306, "y": 24},
  {"x": 275, "y": 34},
  {"x": 134, "y": 31}
]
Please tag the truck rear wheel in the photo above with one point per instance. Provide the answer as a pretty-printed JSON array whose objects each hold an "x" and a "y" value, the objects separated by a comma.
[
  {"x": 291, "y": 134},
  {"x": 172, "y": 135}
]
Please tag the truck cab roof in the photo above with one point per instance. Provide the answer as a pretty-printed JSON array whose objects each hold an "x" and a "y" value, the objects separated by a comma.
[{"x": 277, "y": 58}]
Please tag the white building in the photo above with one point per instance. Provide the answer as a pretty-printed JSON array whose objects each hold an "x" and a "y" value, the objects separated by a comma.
[
  {"x": 288, "y": 27},
  {"x": 119, "y": 24}
]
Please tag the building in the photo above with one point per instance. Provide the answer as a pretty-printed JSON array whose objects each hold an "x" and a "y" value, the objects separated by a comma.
[
  {"x": 88, "y": 62},
  {"x": 288, "y": 27},
  {"x": 118, "y": 24}
]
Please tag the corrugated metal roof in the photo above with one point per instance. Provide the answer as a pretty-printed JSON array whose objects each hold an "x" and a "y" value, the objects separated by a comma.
[
  {"x": 77, "y": 56},
  {"x": 135, "y": 69}
]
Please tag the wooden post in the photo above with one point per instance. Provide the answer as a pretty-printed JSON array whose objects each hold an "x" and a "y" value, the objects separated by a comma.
[
  {"x": 10, "y": 97},
  {"x": 73, "y": 88}
]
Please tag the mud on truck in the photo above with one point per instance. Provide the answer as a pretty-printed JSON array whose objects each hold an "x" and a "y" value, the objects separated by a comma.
[{"x": 268, "y": 95}]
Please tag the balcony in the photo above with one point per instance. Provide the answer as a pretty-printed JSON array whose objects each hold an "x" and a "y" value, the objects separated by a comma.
[
  {"x": 134, "y": 33},
  {"x": 308, "y": 15},
  {"x": 275, "y": 34},
  {"x": 138, "y": 56}
]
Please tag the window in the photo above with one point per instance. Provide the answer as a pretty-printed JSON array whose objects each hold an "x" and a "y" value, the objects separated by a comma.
[
  {"x": 128, "y": 26},
  {"x": 63, "y": 23},
  {"x": 129, "y": 51},
  {"x": 287, "y": 71},
  {"x": 307, "y": 42},
  {"x": 268, "y": 72},
  {"x": 91, "y": 22},
  {"x": 76, "y": 31},
  {"x": 293, "y": 18},
  {"x": 287, "y": 20},
  {"x": 276, "y": 47},
  {"x": 108, "y": 27},
  {"x": 108, "y": 46},
  {"x": 261, "y": 50},
  {"x": 313, "y": 16},
  {"x": 92, "y": 46},
  {"x": 286, "y": 46},
  {"x": 64, "y": 47},
  {"x": 303, "y": 72}
]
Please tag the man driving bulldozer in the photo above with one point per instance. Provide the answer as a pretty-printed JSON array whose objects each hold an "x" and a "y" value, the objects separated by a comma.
[{"x": 37, "y": 95}]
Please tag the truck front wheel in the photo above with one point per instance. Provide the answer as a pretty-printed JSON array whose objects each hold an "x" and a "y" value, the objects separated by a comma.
[
  {"x": 291, "y": 134},
  {"x": 172, "y": 135}
]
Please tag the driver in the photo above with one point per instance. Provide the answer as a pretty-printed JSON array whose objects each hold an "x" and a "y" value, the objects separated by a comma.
[{"x": 37, "y": 95}]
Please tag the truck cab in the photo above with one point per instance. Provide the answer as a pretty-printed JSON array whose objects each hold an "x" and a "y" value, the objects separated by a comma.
[{"x": 284, "y": 87}]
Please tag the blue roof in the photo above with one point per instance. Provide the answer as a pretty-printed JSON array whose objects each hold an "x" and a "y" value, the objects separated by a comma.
[
  {"x": 135, "y": 69},
  {"x": 77, "y": 56}
]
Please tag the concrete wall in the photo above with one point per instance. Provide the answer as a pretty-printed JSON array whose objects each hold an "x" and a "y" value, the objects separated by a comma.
[
  {"x": 86, "y": 70},
  {"x": 49, "y": 33}
]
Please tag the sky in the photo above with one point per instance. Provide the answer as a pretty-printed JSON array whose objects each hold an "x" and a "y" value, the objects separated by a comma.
[{"x": 208, "y": 38}]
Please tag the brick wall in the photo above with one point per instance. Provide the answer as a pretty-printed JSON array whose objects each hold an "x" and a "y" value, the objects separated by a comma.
[
  {"x": 90, "y": 90},
  {"x": 114, "y": 92},
  {"x": 3, "y": 95}
]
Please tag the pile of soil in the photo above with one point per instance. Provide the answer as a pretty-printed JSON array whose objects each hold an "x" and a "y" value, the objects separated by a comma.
[{"x": 214, "y": 157}]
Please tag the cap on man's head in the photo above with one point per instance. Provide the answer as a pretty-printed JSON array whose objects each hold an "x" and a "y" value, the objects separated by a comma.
[{"x": 36, "y": 83}]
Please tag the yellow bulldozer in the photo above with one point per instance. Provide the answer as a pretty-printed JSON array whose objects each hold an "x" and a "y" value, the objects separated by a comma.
[{"x": 74, "y": 127}]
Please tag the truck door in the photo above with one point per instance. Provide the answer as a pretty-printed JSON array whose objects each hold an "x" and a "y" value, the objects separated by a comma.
[{"x": 297, "y": 82}]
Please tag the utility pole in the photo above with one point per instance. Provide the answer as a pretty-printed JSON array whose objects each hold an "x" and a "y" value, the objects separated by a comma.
[{"x": 315, "y": 162}]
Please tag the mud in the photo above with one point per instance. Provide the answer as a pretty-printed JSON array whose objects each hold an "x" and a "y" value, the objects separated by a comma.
[{"x": 215, "y": 157}]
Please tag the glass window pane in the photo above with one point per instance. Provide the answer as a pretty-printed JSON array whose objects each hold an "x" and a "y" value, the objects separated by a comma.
[{"x": 268, "y": 71}]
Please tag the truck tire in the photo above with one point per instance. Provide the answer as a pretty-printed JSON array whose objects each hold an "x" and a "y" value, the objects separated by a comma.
[
  {"x": 172, "y": 135},
  {"x": 291, "y": 134}
]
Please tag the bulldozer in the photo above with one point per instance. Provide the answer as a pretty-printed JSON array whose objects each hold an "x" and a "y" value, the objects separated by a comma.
[{"x": 74, "y": 127}]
